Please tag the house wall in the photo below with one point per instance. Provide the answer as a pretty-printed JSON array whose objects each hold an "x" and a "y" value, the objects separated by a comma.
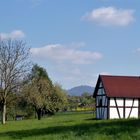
[
  {"x": 123, "y": 108},
  {"x": 101, "y": 103}
]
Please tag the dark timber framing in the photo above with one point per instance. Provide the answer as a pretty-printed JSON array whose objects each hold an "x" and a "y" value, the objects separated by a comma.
[
  {"x": 131, "y": 109},
  {"x": 139, "y": 107},
  {"x": 108, "y": 108},
  {"x": 117, "y": 108},
  {"x": 123, "y": 107}
]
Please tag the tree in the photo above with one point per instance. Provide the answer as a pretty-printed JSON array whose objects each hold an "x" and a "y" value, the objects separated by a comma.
[
  {"x": 61, "y": 98},
  {"x": 13, "y": 66},
  {"x": 73, "y": 102},
  {"x": 39, "y": 90},
  {"x": 87, "y": 101}
]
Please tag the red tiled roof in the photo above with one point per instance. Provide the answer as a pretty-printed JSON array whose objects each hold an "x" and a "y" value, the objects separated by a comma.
[{"x": 121, "y": 86}]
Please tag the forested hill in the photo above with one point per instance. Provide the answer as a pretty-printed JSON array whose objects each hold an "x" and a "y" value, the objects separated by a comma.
[{"x": 79, "y": 90}]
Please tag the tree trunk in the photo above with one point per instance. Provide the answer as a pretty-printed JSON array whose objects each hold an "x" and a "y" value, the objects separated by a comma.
[
  {"x": 38, "y": 111},
  {"x": 4, "y": 113}
]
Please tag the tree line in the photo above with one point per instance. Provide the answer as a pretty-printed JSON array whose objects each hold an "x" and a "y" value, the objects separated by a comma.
[{"x": 26, "y": 88}]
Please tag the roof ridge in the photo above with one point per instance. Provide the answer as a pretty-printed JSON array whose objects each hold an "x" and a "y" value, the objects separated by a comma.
[{"x": 120, "y": 76}]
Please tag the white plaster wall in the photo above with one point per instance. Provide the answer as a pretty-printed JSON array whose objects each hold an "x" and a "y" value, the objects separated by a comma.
[
  {"x": 134, "y": 113},
  {"x": 112, "y": 102},
  {"x": 136, "y": 102},
  {"x": 127, "y": 111},
  {"x": 128, "y": 102},
  {"x": 119, "y": 102},
  {"x": 121, "y": 112},
  {"x": 113, "y": 113}
]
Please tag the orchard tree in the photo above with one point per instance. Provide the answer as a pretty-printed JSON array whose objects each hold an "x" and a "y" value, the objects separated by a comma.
[
  {"x": 38, "y": 90},
  {"x": 13, "y": 66}
]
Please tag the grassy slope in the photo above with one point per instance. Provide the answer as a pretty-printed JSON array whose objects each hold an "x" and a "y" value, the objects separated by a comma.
[{"x": 71, "y": 127}]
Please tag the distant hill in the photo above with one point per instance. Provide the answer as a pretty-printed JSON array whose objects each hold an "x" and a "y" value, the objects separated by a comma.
[{"x": 79, "y": 90}]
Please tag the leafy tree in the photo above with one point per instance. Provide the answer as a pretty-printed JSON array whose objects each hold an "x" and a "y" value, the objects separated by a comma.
[
  {"x": 22, "y": 108},
  {"x": 13, "y": 66},
  {"x": 39, "y": 90},
  {"x": 61, "y": 98},
  {"x": 87, "y": 100}
]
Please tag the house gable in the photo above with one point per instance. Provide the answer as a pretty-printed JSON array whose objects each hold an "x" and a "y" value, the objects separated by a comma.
[{"x": 101, "y": 101}]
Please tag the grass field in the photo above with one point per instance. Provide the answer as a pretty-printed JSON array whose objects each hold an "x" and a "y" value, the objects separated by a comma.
[{"x": 71, "y": 126}]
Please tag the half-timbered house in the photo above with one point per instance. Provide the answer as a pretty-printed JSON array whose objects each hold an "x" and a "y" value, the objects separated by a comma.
[{"x": 117, "y": 97}]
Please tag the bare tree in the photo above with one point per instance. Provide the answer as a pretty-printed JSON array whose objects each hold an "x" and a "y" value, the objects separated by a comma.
[{"x": 13, "y": 66}]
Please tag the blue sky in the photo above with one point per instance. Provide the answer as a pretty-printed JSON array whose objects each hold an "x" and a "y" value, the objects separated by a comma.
[{"x": 76, "y": 40}]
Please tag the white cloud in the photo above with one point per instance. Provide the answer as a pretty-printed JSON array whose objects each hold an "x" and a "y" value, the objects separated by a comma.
[
  {"x": 63, "y": 54},
  {"x": 110, "y": 16},
  {"x": 16, "y": 34},
  {"x": 137, "y": 50},
  {"x": 66, "y": 63}
]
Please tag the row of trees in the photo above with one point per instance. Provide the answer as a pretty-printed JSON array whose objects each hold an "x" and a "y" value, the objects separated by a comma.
[
  {"x": 27, "y": 88},
  {"x": 19, "y": 84}
]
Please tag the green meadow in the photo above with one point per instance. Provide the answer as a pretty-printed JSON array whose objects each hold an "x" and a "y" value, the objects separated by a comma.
[{"x": 71, "y": 126}]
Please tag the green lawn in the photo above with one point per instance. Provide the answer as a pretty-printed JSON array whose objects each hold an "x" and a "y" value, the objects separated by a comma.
[{"x": 71, "y": 126}]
